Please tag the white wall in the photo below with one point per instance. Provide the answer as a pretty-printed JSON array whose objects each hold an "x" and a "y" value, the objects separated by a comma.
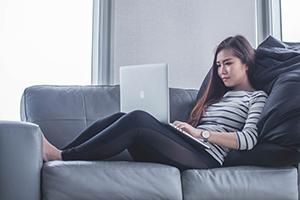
[{"x": 179, "y": 32}]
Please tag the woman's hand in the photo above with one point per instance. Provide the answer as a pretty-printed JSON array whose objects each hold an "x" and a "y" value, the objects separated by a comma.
[
  {"x": 188, "y": 128},
  {"x": 225, "y": 139}
]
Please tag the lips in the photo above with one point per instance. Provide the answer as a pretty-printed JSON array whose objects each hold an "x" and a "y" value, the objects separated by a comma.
[{"x": 225, "y": 78}]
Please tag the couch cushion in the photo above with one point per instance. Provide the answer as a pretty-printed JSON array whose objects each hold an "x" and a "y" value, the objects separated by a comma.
[
  {"x": 62, "y": 112},
  {"x": 240, "y": 183},
  {"x": 78, "y": 180},
  {"x": 182, "y": 102}
]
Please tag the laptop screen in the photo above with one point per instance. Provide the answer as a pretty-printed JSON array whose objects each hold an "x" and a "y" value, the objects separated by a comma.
[{"x": 145, "y": 87}]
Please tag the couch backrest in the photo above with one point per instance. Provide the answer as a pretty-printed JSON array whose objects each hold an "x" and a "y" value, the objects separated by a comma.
[{"x": 62, "y": 112}]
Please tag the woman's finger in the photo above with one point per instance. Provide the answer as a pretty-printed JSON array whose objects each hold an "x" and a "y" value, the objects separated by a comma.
[
  {"x": 181, "y": 126},
  {"x": 177, "y": 123}
]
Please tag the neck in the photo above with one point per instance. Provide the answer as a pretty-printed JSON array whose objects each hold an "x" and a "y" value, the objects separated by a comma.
[{"x": 246, "y": 87}]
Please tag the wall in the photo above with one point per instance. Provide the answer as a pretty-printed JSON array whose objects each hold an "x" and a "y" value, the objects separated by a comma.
[{"x": 182, "y": 33}]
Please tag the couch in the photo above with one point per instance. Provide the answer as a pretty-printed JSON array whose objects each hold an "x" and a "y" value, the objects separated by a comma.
[{"x": 61, "y": 112}]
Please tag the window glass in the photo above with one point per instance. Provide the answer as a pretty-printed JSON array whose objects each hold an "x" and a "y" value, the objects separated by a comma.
[
  {"x": 290, "y": 16},
  {"x": 42, "y": 42}
]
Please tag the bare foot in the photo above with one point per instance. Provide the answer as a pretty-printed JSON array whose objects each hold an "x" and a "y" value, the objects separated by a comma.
[{"x": 50, "y": 152}]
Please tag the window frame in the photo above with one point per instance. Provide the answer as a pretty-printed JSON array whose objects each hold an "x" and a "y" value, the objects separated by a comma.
[
  {"x": 102, "y": 47},
  {"x": 268, "y": 19}
]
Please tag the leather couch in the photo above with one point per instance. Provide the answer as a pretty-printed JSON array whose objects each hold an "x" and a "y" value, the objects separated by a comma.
[{"x": 61, "y": 112}]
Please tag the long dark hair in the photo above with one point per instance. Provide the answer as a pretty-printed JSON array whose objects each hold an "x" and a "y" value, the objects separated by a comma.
[{"x": 215, "y": 90}]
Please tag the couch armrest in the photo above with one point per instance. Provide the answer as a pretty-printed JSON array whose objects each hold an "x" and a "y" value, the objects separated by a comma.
[
  {"x": 20, "y": 160},
  {"x": 298, "y": 180}
]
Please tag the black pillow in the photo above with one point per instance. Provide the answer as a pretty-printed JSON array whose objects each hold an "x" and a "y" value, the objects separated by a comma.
[
  {"x": 263, "y": 154},
  {"x": 274, "y": 58},
  {"x": 278, "y": 73}
]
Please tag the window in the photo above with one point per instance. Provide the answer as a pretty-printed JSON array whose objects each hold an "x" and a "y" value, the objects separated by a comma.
[
  {"x": 42, "y": 42},
  {"x": 290, "y": 16}
]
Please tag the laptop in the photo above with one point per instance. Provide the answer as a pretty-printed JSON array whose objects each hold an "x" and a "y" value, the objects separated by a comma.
[{"x": 145, "y": 87}]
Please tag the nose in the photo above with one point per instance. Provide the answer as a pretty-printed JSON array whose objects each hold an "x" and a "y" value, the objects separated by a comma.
[{"x": 222, "y": 69}]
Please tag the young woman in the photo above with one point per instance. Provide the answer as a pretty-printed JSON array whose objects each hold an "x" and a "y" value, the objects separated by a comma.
[{"x": 225, "y": 116}]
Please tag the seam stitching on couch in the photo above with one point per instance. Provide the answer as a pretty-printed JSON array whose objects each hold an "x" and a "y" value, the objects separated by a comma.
[
  {"x": 25, "y": 105},
  {"x": 84, "y": 107}
]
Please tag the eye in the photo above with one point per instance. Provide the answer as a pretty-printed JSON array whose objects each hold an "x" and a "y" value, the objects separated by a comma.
[
  {"x": 228, "y": 63},
  {"x": 218, "y": 65}
]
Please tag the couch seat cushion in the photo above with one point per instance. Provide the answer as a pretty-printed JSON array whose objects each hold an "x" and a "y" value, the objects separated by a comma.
[
  {"x": 240, "y": 183},
  {"x": 78, "y": 180}
]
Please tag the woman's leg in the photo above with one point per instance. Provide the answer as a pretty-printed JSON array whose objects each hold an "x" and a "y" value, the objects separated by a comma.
[
  {"x": 146, "y": 139},
  {"x": 50, "y": 152},
  {"x": 94, "y": 128}
]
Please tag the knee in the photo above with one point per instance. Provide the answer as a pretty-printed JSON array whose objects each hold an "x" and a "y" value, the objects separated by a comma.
[
  {"x": 138, "y": 113},
  {"x": 120, "y": 114},
  {"x": 139, "y": 116}
]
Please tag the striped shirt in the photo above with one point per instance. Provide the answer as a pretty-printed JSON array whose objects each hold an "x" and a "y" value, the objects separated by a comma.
[{"x": 237, "y": 111}]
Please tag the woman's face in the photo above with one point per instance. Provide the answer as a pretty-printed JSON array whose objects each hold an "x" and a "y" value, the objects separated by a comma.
[{"x": 231, "y": 70}]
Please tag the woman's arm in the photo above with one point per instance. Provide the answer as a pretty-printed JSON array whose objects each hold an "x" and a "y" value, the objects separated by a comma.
[
  {"x": 225, "y": 139},
  {"x": 244, "y": 139}
]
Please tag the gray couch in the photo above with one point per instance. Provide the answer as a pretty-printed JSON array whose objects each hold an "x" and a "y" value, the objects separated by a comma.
[{"x": 61, "y": 112}]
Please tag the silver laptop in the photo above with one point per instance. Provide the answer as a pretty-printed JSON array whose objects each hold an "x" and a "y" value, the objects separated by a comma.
[{"x": 145, "y": 87}]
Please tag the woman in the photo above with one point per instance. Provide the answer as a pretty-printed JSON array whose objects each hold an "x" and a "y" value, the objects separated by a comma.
[{"x": 225, "y": 116}]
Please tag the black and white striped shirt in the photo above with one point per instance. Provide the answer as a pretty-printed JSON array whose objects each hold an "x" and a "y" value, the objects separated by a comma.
[{"x": 237, "y": 111}]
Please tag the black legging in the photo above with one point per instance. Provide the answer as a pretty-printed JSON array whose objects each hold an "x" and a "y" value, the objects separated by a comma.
[{"x": 146, "y": 139}]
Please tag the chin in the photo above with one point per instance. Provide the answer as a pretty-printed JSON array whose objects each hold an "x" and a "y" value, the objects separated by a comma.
[{"x": 228, "y": 85}]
